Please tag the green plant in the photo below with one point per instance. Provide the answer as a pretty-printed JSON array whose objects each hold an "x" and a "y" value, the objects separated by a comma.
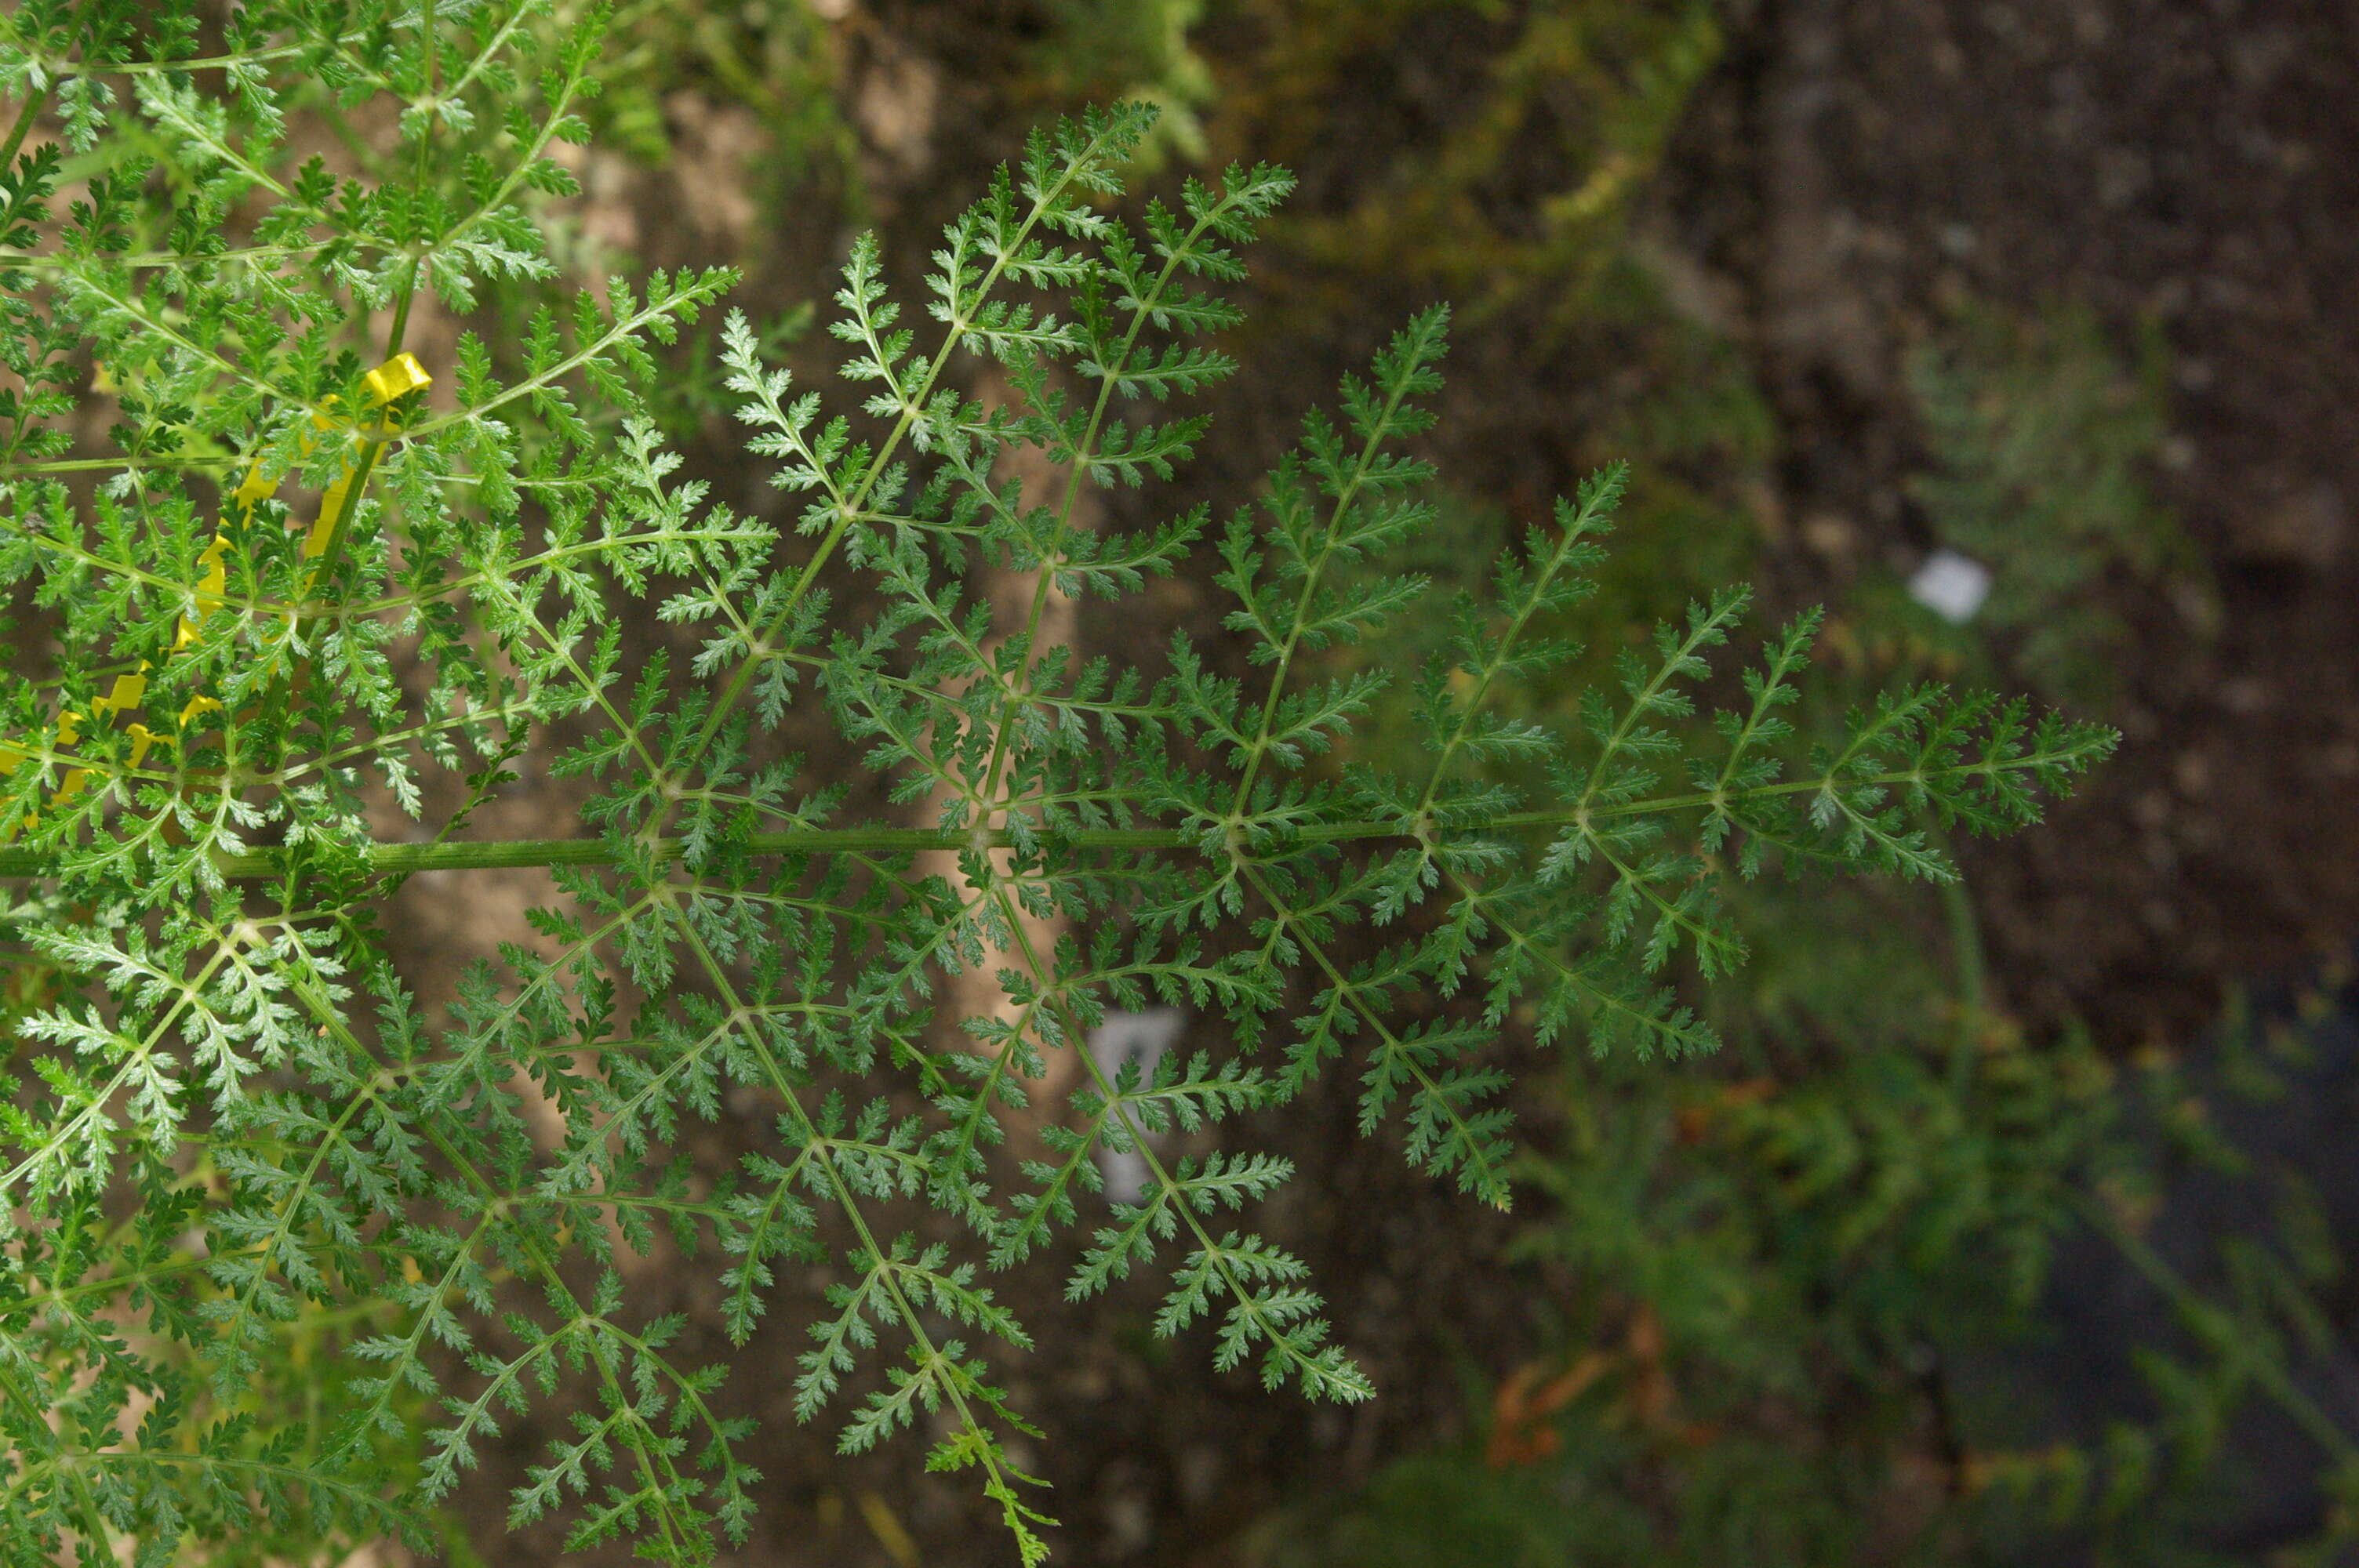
[
  {"x": 1136, "y": 49},
  {"x": 2040, "y": 437},
  {"x": 233, "y": 1127},
  {"x": 1801, "y": 1298},
  {"x": 1524, "y": 188},
  {"x": 1751, "y": 1269},
  {"x": 772, "y": 56}
]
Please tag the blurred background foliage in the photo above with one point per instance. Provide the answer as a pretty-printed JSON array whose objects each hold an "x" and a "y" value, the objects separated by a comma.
[{"x": 2040, "y": 437}]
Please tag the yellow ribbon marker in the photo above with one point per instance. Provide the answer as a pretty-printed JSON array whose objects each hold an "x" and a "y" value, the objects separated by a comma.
[{"x": 397, "y": 378}]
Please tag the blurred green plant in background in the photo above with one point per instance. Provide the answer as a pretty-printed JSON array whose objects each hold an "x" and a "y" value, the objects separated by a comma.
[
  {"x": 1792, "y": 1288},
  {"x": 1136, "y": 49},
  {"x": 1476, "y": 207},
  {"x": 2041, "y": 438},
  {"x": 777, "y": 58}
]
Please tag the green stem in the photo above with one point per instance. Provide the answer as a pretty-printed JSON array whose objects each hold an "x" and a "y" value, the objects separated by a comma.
[
  {"x": 401, "y": 311},
  {"x": 1973, "y": 981},
  {"x": 347, "y": 510},
  {"x": 1967, "y": 946},
  {"x": 24, "y": 118},
  {"x": 404, "y": 858},
  {"x": 417, "y": 182}
]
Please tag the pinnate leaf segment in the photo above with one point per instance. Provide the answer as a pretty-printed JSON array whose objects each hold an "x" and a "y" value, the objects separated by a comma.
[{"x": 236, "y": 1142}]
